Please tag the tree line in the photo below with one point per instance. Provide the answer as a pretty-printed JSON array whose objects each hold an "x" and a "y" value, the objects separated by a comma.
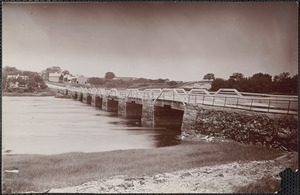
[
  {"x": 109, "y": 82},
  {"x": 283, "y": 83}
]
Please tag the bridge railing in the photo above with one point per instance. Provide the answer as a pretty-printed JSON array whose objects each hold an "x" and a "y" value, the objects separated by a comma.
[
  {"x": 291, "y": 97},
  {"x": 150, "y": 94},
  {"x": 271, "y": 105},
  {"x": 100, "y": 92},
  {"x": 133, "y": 93},
  {"x": 178, "y": 95}
]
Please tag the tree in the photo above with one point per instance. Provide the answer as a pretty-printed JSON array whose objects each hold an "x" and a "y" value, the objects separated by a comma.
[
  {"x": 172, "y": 83},
  {"x": 219, "y": 83},
  {"x": 294, "y": 84},
  {"x": 260, "y": 83},
  {"x": 38, "y": 79},
  {"x": 284, "y": 83},
  {"x": 95, "y": 81},
  {"x": 236, "y": 76},
  {"x": 53, "y": 69},
  {"x": 209, "y": 76},
  {"x": 281, "y": 77},
  {"x": 65, "y": 72},
  {"x": 110, "y": 75},
  {"x": 61, "y": 78},
  {"x": 31, "y": 84}
]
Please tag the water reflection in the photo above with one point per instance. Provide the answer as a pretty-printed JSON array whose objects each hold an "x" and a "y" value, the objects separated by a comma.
[{"x": 46, "y": 125}]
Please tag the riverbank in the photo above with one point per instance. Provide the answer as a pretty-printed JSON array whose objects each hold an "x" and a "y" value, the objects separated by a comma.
[
  {"x": 45, "y": 93},
  {"x": 189, "y": 167}
]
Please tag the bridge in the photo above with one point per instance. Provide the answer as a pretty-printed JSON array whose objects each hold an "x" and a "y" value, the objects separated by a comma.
[
  {"x": 239, "y": 115},
  {"x": 179, "y": 98}
]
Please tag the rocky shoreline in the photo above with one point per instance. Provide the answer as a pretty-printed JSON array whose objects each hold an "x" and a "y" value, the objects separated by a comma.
[{"x": 271, "y": 130}]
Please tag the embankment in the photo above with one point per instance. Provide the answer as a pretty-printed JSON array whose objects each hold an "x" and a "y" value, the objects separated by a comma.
[{"x": 272, "y": 130}]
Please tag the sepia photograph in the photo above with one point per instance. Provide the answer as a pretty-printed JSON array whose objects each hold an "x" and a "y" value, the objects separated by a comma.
[{"x": 149, "y": 97}]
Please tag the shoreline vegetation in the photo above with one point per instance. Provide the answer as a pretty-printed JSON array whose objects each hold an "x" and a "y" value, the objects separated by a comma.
[{"x": 154, "y": 169}]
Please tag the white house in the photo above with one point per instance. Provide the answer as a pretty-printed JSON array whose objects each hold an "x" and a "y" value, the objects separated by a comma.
[
  {"x": 54, "y": 77},
  {"x": 81, "y": 79}
]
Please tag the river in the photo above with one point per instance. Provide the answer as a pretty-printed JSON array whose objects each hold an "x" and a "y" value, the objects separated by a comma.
[{"x": 48, "y": 125}]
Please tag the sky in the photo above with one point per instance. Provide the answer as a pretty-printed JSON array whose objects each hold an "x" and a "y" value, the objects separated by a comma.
[{"x": 179, "y": 41}]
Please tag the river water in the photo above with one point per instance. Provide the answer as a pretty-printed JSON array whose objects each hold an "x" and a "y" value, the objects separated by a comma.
[{"x": 48, "y": 125}]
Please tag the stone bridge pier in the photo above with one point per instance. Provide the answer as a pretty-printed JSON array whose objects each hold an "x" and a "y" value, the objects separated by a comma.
[
  {"x": 147, "y": 114},
  {"x": 96, "y": 100},
  {"x": 79, "y": 96},
  {"x": 73, "y": 94},
  {"x": 87, "y": 98},
  {"x": 109, "y": 104},
  {"x": 129, "y": 109},
  {"x": 165, "y": 114}
]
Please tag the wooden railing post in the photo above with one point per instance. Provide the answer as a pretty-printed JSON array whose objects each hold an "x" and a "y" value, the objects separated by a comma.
[
  {"x": 269, "y": 105},
  {"x": 251, "y": 104},
  {"x": 288, "y": 110}
]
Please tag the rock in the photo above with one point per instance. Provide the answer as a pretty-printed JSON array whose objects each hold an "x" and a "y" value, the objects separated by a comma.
[
  {"x": 168, "y": 175},
  {"x": 188, "y": 174},
  {"x": 283, "y": 135},
  {"x": 269, "y": 138},
  {"x": 160, "y": 180}
]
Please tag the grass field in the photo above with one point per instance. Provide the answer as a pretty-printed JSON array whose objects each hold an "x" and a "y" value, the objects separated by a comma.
[{"x": 42, "y": 172}]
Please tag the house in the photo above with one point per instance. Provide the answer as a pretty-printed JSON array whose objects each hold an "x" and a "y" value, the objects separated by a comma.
[
  {"x": 205, "y": 84},
  {"x": 54, "y": 77},
  {"x": 17, "y": 76},
  {"x": 71, "y": 79},
  {"x": 16, "y": 81},
  {"x": 81, "y": 79}
]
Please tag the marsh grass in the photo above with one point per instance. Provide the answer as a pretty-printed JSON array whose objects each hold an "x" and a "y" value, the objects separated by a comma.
[{"x": 42, "y": 172}]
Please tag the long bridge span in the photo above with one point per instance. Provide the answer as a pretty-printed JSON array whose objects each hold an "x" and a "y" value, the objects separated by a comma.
[
  {"x": 245, "y": 117},
  {"x": 179, "y": 98}
]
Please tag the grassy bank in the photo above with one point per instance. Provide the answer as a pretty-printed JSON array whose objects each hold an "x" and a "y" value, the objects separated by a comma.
[{"x": 43, "y": 172}]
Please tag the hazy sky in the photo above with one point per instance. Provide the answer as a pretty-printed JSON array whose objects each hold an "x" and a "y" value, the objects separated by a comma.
[{"x": 179, "y": 41}]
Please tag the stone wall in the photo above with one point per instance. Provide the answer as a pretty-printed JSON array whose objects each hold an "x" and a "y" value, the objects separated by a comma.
[{"x": 273, "y": 130}]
